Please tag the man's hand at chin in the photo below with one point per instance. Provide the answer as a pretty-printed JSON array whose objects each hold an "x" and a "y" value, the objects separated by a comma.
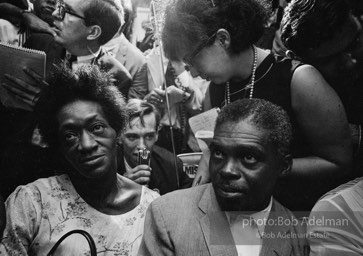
[{"x": 140, "y": 174}]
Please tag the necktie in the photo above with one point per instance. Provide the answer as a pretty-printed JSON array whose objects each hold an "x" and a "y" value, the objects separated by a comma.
[{"x": 70, "y": 58}]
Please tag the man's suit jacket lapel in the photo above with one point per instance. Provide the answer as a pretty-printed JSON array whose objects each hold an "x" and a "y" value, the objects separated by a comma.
[
  {"x": 276, "y": 245},
  {"x": 215, "y": 227}
]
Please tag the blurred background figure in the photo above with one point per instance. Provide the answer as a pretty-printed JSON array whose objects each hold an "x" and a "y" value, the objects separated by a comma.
[
  {"x": 128, "y": 17},
  {"x": 327, "y": 35},
  {"x": 168, "y": 77},
  {"x": 129, "y": 56}
]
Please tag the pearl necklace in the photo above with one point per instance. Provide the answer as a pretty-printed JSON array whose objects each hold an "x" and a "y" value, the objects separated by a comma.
[{"x": 253, "y": 76}]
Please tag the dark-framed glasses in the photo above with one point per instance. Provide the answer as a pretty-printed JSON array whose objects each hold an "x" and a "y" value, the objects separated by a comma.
[
  {"x": 188, "y": 60},
  {"x": 62, "y": 10}
]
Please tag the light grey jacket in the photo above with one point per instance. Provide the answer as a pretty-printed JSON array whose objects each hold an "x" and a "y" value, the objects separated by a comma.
[{"x": 190, "y": 222}]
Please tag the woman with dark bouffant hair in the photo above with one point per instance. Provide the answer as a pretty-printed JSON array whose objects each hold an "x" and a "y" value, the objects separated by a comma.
[{"x": 216, "y": 39}]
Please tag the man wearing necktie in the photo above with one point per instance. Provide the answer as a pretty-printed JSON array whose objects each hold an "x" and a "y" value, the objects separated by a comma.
[
  {"x": 81, "y": 28},
  {"x": 236, "y": 214}
]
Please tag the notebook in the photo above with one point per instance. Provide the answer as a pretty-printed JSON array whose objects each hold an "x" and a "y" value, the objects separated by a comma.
[{"x": 13, "y": 60}]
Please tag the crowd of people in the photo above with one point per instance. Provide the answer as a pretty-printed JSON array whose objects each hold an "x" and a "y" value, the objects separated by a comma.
[{"x": 96, "y": 149}]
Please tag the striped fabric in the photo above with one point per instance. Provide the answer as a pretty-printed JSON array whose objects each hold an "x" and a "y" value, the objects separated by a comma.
[
  {"x": 336, "y": 222},
  {"x": 23, "y": 37},
  {"x": 10, "y": 34}
]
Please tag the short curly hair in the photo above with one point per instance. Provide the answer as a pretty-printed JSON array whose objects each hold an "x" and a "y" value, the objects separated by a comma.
[
  {"x": 265, "y": 115},
  {"x": 189, "y": 23},
  {"x": 87, "y": 83}
]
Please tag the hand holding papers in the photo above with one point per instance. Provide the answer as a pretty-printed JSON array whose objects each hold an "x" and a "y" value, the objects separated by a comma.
[
  {"x": 202, "y": 126},
  {"x": 20, "y": 86}
]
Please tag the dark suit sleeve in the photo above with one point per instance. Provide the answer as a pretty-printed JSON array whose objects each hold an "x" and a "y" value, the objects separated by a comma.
[
  {"x": 120, "y": 75},
  {"x": 139, "y": 87},
  {"x": 124, "y": 86},
  {"x": 10, "y": 10},
  {"x": 156, "y": 240}
]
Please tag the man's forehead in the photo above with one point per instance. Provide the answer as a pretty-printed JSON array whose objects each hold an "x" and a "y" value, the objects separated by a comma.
[
  {"x": 148, "y": 122},
  {"x": 75, "y": 4},
  {"x": 238, "y": 129},
  {"x": 240, "y": 133},
  {"x": 239, "y": 138}
]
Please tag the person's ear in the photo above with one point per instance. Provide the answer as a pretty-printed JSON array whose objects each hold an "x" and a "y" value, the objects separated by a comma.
[
  {"x": 223, "y": 38},
  {"x": 157, "y": 133},
  {"x": 286, "y": 165},
  {"x": 94, "y": 32}
]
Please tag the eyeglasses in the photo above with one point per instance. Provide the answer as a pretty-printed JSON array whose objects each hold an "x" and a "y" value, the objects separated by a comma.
[
  {"x": 62, "y": 10},
  {"x": 189, "y": 59}
]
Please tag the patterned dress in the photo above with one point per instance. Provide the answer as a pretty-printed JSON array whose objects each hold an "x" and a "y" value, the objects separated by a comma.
[{"x": 39, "y": 213}]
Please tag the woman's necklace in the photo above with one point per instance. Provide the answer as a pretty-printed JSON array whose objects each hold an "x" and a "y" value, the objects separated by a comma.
[{"x": 253, "y": 76}]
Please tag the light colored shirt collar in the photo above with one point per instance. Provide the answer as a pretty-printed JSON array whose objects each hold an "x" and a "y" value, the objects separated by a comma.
[
  {"x": 248, "y": 238},
  {"x": 114, "y": 44},
  {"x": 87, "y": 59},
  {"x": 259, "y": 218}
]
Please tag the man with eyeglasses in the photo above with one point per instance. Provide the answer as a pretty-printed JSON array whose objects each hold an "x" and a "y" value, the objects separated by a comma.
[
  {"x": 81, "y": 28},
  {"x": 84, "y": 27},
  {"x": 117, "y": 45}
]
